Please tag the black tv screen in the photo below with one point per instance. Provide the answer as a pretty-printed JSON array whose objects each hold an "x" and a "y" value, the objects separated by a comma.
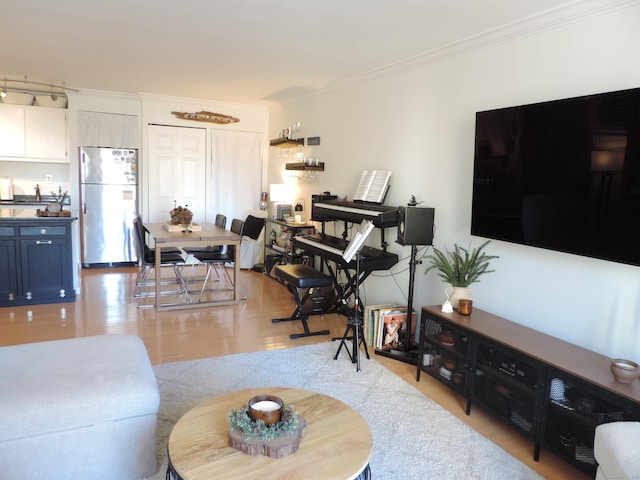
[{"x": 562, "y": 175}]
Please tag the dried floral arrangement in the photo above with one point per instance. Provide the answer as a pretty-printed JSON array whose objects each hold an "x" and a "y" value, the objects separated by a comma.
[
  {"x": 181, "y": 215},
  {"x": 241, "y": 420}
]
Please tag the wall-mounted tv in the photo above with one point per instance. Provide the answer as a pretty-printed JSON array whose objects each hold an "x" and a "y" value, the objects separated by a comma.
[{"x": 562, "y": 175}]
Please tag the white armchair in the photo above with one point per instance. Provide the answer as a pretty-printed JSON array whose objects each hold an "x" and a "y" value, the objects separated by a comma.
[{"x": 251, "y": 251}]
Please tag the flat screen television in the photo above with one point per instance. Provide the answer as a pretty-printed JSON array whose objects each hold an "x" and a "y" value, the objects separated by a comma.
[{"x": 562, "y": 175}]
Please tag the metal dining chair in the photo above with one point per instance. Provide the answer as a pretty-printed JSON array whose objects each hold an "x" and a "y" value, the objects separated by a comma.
[
  {"x": 170, "y": 257},
  {"x": 213, "y": 260},
  {"x": 221, "y": 221},
  {"x": 250, "y": 228}
]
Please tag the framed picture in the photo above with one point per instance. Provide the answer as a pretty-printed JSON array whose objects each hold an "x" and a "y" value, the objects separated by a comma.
[{"x": 283, "y": 212}]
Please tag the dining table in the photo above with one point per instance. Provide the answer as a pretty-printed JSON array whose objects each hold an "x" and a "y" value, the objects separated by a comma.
[{"x": 206, "y": 234}]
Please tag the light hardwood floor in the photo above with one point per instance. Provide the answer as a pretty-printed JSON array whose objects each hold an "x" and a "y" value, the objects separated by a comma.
[{"x": 106, "y": 306}]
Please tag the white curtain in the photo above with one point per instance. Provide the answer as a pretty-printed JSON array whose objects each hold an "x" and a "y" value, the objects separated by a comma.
[
  {"x": 97, "y": 129},
  {"x": 235, "y": 174}
]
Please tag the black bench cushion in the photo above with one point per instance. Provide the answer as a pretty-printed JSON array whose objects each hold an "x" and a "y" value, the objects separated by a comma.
[{"x": 302, "y": 276}]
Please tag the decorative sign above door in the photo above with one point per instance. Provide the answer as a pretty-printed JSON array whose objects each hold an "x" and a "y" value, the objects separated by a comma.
[{"x": 207, "y": 117}]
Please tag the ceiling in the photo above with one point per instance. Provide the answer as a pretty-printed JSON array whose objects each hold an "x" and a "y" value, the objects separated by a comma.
[{"x": 244, "y": 51}]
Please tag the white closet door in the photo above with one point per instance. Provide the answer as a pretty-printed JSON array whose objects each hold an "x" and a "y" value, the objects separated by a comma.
[{"x": 177, "y": 171}]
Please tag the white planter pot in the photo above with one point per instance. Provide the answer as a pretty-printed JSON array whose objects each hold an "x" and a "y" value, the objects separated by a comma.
[{"x": 456, "y": 293}]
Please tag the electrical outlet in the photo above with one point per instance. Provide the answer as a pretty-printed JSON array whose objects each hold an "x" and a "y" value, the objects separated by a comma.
[{"x": 49, "y": 179}]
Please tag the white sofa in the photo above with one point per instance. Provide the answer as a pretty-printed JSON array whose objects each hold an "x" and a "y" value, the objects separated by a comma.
[
  {"x": 616, "y": 447},
  {"x": 82, "y": 408}
]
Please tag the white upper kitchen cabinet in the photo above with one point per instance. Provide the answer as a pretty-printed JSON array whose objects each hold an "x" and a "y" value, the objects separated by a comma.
[
  {"x": 12, "y": 131},
  {"x": 46, "y": 133},
  {"x": 37, "y": 134}
]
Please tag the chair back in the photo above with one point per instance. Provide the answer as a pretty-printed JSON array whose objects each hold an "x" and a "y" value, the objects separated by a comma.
[
  {"x": 236, "y": 226},
  {"x": 137, "y": 224},
  {"x": 252, "y": 227},
  {"x": 141, "y": 243},
  {"x": 221, "y": 220}
]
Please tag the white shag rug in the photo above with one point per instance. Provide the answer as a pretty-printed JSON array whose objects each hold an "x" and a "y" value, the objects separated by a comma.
[{"x": 413, "y": 437}]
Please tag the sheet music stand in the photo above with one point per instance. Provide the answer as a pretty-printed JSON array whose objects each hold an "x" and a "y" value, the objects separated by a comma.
[{"x": 354, "y": 323}]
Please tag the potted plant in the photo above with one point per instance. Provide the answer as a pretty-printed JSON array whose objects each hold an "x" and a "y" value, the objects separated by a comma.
[{"x": 460, "y": 268}]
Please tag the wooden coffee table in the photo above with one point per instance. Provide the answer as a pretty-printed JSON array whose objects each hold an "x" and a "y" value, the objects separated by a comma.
[{"x": 337, "y": 443}]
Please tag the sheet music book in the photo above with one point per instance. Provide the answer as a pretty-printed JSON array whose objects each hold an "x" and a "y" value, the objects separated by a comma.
[
  {"x": 373, "y": 185},
  {"x": 358, "y": 240}
]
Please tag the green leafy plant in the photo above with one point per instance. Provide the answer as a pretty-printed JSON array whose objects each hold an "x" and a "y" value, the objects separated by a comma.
[
  {"x": 462, "y": 266},
  {"x": 241, "y": 420}
]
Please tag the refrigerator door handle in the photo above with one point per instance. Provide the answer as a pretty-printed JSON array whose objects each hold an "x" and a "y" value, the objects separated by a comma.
[{"x": 84, "y": 203}]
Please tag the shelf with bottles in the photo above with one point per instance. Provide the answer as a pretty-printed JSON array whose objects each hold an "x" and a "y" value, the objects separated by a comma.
[
  {"x": 308, "y": 165},
  {"x": 285, "y": 142}
]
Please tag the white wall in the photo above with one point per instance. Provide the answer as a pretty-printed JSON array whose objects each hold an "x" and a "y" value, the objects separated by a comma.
[{"x": 420, "y": 124}]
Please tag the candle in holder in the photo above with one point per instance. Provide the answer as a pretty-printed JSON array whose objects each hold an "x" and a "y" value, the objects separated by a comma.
[
  {"x": 464, "y": 306},
  {"x": 267, "y": 408}
]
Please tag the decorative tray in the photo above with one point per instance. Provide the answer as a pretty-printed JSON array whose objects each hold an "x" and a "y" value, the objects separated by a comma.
[{"x": 170, "y": 227}]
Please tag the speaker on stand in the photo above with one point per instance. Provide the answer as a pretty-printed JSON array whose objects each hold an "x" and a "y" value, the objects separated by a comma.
[{"x": 414, "y": 228}]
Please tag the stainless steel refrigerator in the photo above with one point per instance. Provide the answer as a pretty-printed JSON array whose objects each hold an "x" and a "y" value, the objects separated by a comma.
[{"x": 109, "y": 203}]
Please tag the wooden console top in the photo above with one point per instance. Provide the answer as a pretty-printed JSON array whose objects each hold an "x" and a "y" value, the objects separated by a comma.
[{"x": 564, "y": 356}]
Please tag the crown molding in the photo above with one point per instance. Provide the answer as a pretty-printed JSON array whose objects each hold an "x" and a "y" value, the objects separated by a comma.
[{"x": 565, "y": 14}]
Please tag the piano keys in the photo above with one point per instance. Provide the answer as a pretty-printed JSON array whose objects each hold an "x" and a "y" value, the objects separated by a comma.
[
  {"x": 331, "y": 248},
  {"x": 329, "y": 210}
]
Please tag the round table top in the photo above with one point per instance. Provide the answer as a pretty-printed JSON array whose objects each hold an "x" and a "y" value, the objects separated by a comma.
[{"x": 337, "y": 443}]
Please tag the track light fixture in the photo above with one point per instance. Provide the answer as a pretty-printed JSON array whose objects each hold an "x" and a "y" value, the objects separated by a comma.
[{"x": 28, "y": 86}]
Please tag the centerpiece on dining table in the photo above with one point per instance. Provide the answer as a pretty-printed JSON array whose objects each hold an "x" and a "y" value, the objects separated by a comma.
[{"x": 181, "y": 220}]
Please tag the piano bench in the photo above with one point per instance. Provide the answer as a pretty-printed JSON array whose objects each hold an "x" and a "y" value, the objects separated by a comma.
[{"x": 301, "y": 280}]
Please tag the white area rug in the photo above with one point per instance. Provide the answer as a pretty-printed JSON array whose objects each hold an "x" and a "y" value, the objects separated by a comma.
[{"x": 413, "y": 437}]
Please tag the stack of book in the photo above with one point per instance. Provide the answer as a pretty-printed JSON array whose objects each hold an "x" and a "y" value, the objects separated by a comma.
[{"x": 385, "y": 326}]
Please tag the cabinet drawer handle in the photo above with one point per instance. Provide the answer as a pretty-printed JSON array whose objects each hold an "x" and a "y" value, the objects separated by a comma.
[{"x": 43, "y": 242}]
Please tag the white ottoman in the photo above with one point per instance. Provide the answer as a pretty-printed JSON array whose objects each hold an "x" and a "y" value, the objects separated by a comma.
[
  {"x": 83, "y": 408},
  {"x": 616, "y": 447}
]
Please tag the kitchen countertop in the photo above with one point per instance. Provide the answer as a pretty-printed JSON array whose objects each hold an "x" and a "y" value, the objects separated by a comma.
[
  {"x": 24, "y": 200},
  {"x": 10, "y": 214},
  {"x": 25, "y": 207}
]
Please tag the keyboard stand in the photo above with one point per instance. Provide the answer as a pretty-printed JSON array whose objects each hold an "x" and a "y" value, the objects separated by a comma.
[{"x": 344, "y": 291}]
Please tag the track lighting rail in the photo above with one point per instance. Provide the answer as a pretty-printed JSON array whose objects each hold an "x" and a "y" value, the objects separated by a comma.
[{"x": 28, "y": 86}]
